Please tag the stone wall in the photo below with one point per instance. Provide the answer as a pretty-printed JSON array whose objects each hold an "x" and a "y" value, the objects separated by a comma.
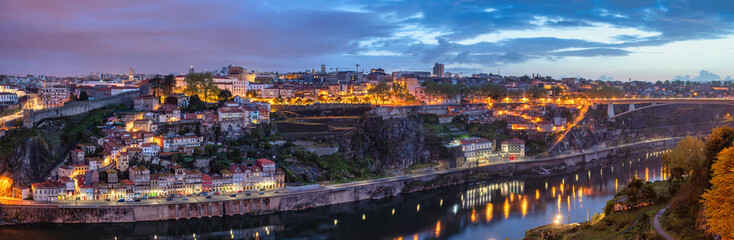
[
  {"x": 325, "y": 109},
  {"x": 31, "y": 117}
]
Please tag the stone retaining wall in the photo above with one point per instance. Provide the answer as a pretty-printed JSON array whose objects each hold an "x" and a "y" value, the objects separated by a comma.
[{"x": 31, "y": 117}]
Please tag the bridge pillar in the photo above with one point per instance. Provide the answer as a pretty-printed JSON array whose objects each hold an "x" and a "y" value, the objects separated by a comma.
[
  {"x": 632, "y": 106},
  {"x": 610, "y": 110}
]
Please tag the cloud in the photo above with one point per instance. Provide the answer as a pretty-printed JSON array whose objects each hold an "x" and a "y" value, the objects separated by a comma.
[
  {"x": 703, "y": 76},
  {"x": 81, "y": 36},
  {"x": 605, "y": 78},
  {"x": 593, "y": 52}
]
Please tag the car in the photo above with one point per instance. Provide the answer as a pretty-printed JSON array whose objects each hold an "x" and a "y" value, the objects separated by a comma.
[
  {"x": 129, "y": 200},
  {"x": 136, "y": 199},
  {"x": 261, "y": 193},
  {"x": 276, "y": 191},
  {"x": 204, "y": 194},
  {"x": 208, "y": 197},
  {"x": 233, "y": 195},
  {"x": 216, "y": 193},
  {"x": 185, "y": 198},
  {"x": 121, "y": 200},
  {"x": 239, "y": 191},
  {"x": 144, "y": 198},
  {"x": 248, "y": 194},
  {"x": 107, "y": 200},
  {"x": 169, "y": 199}
]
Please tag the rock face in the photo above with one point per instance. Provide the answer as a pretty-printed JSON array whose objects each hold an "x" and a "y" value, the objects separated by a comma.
[
  {"x": 27, "y": 161},
  {"x": 396, "y": 143}
]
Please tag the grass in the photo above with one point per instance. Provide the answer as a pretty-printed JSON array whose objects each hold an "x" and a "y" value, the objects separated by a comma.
[{"x": 422, "y": 165}]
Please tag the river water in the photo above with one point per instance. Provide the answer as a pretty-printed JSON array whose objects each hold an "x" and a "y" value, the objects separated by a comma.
[{"x": 499, "y": 209}]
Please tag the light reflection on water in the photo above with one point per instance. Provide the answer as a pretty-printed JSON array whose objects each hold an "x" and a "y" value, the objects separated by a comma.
[{"x": 453, "y": 212}]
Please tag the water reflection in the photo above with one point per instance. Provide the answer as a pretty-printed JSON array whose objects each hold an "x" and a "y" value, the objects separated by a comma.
[{"x": 410, "y": 216}]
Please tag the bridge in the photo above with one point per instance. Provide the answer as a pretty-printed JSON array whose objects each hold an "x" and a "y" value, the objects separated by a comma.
[{"x": 654, "y": 102}]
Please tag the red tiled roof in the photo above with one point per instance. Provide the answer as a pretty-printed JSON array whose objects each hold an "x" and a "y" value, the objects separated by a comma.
[
  {"x": 468, "y": 141},
  {"x": 514, "y": 140}
]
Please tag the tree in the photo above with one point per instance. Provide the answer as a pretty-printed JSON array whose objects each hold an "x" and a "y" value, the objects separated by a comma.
[
  {"x": 201, "y": 84},
  {"x": 156, "y": 84},
  {"x": 168, "y": 84},
  {"x": 685, "y": 158},
  {"x": 83, "y": 96},
  {"x": 195, "y": 104},
  {"x": 380, "y": 91},
  {"x": 72, "y": 97},
  {"x": 538, "y": 92},
  {"x": 717, "y": 201},
  {"x": 251, "y": 93},
  {"x": 224, "y": 95},
  {"x": 719, "y": 139},
  {"x": 210, "y": 149}
]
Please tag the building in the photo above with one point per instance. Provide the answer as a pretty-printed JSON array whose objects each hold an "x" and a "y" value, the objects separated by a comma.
[
  {"x": 6, "y": 97},
  {"x": 47, "y": 191},
  {"x": 77, "y": 155},
  {"x": 112, "y": 176},
  {"x": 170, "y": 144},
  {"x": 438, "y": 70},
  {"x": 54, "y": 96},
  {"x": 513, "y": 147},
  {"x": 146, "y": 103},
  {"x": 476, "y": 148},
  {"x": 139, "y": 175}
]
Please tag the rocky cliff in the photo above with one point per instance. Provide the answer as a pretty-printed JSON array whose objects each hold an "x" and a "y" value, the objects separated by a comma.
[
  {"x": 26, "y": 156},
  {"x": 395, "y": 143}
]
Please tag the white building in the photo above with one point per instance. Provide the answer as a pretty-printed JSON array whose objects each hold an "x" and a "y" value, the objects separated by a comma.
[
  {"x": 476, "y": 149},
  {"x": 513, "y": 147},
  {"x": 8, "y": 97}
]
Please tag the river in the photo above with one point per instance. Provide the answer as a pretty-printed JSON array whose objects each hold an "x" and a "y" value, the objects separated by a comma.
[{"x": 499, "y": 209}]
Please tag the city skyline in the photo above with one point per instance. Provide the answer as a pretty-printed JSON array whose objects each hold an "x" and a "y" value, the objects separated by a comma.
[{"x": 619, "y": 40}]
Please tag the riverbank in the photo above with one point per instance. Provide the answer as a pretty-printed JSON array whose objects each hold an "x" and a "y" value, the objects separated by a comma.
[
  {"x": 289, "y": 201},
  {"x": 625, "y": 224}
]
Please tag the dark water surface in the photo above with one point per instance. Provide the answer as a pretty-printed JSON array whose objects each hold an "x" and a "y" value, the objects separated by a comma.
[{"x": 492, "y": 210}]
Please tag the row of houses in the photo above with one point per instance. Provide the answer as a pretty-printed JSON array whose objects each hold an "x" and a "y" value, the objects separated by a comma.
[{"x": 85, "y": 184}]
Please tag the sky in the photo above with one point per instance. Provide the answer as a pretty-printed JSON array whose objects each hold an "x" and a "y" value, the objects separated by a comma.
[{"x": 603, "y": 39}]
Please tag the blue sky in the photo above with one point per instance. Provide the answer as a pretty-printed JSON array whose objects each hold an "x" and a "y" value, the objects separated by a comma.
[{"x": 639, "y": 39}]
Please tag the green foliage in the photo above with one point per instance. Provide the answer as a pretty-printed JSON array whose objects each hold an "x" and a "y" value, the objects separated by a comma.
[
  {"x": 686, "y": 158},
  {"x": 224, "y": 95},
  {"x": 537, "y": 92},
  {"x": 195, "y": 104},
  {"x": 76, "y": 125},
  {"x": 461, "y": 119},
  {"x": 210, "y": 149},
  {"x": 13, "y": 138},
  {"x": 201, "y": 84},
  {"x": 604, "y": 91},
  {"x": 429, "y": 118}
]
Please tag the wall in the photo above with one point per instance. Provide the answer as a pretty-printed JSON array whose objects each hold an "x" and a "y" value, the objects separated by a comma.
[
  {"x": 40, "y": 213},
  {"x": 32, "y": 117}
]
